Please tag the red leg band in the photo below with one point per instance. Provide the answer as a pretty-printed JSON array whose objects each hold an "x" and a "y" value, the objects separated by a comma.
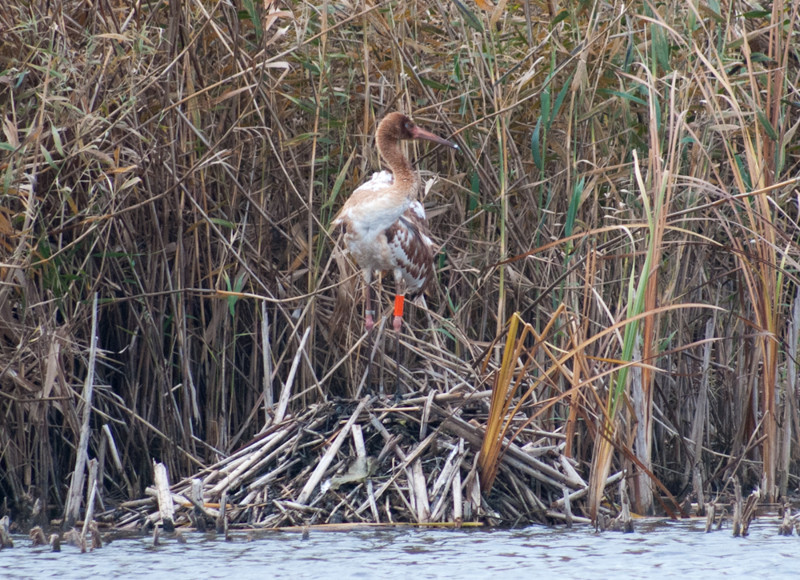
[{"x": 399, "y": 299}]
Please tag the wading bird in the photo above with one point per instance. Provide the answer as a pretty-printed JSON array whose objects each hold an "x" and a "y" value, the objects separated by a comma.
[{"x": 384, "y": 223}]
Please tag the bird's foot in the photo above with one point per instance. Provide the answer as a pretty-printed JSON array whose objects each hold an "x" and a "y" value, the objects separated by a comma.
[
  {"x": 397, "y": 323},
  {"x": 369, "y": 321}
]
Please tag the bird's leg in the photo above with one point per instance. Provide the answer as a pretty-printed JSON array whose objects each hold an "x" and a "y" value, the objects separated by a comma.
[
  {"x": 369, "y": 314},
  {"x": 369, "y": 323},
  {"x": 397, "y": 323},
  {"x": 399, "y": 301}
]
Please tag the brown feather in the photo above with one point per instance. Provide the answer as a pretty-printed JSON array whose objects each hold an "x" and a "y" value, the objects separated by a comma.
[{"x": 384, "y": 224}]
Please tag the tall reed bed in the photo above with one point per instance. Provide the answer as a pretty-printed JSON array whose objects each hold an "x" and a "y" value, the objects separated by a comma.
[{"x": 626, "y": 195}]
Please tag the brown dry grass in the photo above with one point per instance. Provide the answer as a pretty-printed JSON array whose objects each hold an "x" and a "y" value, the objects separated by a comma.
[{"x": 182, "y": 160}]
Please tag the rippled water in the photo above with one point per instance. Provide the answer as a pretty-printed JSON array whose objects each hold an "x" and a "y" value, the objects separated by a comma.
[{"x": 655, "y": 550}]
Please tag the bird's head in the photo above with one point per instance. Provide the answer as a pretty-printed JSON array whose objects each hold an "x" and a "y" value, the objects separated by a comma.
[{"x": 397, "y": 126}]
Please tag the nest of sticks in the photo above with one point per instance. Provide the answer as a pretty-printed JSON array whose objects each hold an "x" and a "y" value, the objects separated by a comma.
[{"x": 368, "y": 461}]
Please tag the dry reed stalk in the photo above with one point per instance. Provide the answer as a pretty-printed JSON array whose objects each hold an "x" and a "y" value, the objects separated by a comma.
[
  {"x": 190, "y": 184},
  {"x": 501, "y": 412},
  {"x": 5, "y": 535},
  {"x": 91, "y": 495},
  {"x": 700, "y": 411},
  {"x": 790, "y": 411},
  {"x": 319, "y": 471},
  {"x": 72, "y": 510},
  {"x": 165, "y": 506}
]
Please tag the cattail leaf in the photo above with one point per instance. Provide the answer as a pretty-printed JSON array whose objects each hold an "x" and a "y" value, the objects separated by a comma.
[
  {"x": 545, "y": 102},
  {"x": 253, "y": 16},
  {"x": 626, "y": 96},
  {"x": 57, "y": 140},
  {"x": 562, "y": 94},
  {"x": 337, "y": 185},
  {"x": 433, "y": 84},
  {"x": 48, "y": 158},
  {"x": 536, "y": 145},
  {"x": 223, "y": 223},
  {"x": 559, "y": 17},
  {"x": 469, "y": 17},
  {"x": 574, "y": 202},
  {"x": 770, "y": 130},
  {"x": 660, "y": 47},
  {"x": 475, "y": 192}
]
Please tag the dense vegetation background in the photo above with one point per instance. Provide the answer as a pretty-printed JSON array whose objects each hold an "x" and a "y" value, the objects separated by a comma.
[{"x": 627, "y": 183}]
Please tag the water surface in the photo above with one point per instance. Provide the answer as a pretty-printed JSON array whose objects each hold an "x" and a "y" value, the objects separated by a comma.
[{"x": 658, "y": 549}]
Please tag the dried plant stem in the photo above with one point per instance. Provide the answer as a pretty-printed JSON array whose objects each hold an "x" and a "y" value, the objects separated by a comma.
[{"x": 72, "y": 510}]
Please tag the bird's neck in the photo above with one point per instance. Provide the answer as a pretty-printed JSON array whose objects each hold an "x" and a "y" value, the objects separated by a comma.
[{"x": 394, "y": 157}]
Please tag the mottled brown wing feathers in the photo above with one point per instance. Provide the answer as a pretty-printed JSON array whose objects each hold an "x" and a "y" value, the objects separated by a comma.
[{"x": 412, "y": 251}]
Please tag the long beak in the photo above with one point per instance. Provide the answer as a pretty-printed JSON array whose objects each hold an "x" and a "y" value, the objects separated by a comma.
[{"x": 419, "y": 133}]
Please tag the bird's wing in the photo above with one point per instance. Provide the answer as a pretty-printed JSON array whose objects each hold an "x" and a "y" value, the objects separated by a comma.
[{"x": 412, "y": 248}]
